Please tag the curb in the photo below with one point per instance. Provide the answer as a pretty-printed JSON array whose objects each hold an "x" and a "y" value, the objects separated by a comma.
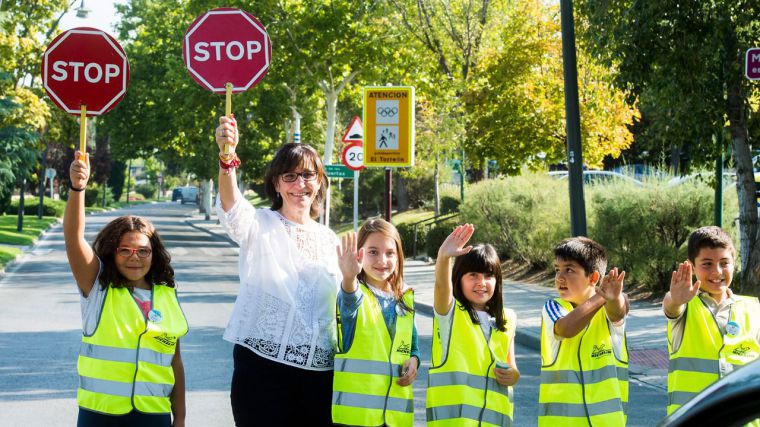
[
  {"x": 28, "y": 248},
  {"x": 532, "y": 341},
  {"x": 213, "y": 233}
]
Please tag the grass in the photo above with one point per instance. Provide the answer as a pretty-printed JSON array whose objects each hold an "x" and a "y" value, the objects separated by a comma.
[
  {"x": 33, "y": 227},
  {"x": 412, "y": 215},
  {"x": 7, "y": 254},
  {"x": 257, "y": 201}
]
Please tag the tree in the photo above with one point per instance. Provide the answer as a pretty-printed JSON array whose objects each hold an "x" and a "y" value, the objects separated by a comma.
[
  {"x": 684, "y": 61},
  {"x": 516, "y": 103}
]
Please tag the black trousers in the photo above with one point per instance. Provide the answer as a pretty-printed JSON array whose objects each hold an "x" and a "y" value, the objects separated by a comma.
[
  {"x": 133, "y": 419},
  {"x": 268, "y": 393}
]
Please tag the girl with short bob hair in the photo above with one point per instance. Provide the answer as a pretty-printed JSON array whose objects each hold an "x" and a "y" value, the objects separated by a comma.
[{"x": 130, "y": 367}]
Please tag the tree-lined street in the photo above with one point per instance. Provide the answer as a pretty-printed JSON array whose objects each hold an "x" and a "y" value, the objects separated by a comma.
[{"x": 40, "y": 329}]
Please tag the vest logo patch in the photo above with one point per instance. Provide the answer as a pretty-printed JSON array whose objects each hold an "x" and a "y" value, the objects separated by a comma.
[
  {"x": 742, "y": 350},
  {"x": 167, "y": 340},
  {"x": 404, "y": 348},
  {"x": 600, "y": 350}
]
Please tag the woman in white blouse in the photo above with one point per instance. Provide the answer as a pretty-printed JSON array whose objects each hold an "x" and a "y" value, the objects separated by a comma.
[{"x": 283, "y": 324}]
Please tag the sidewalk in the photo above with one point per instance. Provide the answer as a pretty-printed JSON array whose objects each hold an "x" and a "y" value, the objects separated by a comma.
[{"x": 645, "y": 330}]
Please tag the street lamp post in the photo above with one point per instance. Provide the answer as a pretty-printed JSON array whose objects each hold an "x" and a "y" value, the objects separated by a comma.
[{"x": 573, "y": 120}]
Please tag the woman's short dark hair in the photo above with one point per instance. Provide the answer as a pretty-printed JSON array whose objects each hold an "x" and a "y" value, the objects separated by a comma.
[
  {"x": 481, "y": 259},
  {"x": 108, "y": 240},
  {"x": 288, "y": 158}
]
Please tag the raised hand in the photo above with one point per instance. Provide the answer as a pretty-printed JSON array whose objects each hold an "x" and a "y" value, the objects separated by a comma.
[
  {"x": 349, "y": 259},
  {"x": 612, "y": 285},
  {"x": 682, "y": 290},
  {"x": 79, "y": 171},
  {"x": 454, "y": 245},
  {"x": 226, "y": 133}
]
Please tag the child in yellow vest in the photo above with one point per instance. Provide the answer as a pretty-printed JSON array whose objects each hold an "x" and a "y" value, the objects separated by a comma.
[
  {"x": 130, "y": 367},
  {"x": 711, "y": 330},
  {"x": 584, "y": 361},
  {"x": 378, "y": 356},
  {"x": 473, "y": 358}
]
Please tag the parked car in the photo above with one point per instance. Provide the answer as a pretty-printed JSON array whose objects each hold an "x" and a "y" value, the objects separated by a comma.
[
  {"x": 730, "y": 401},
  {"x": 187, "y": 194},
  {"x": 729, "y": 179},
  {"x": 593, "y": 177}
]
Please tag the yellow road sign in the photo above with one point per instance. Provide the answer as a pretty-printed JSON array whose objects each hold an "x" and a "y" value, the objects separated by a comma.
[{"x": 389, "y": 126}]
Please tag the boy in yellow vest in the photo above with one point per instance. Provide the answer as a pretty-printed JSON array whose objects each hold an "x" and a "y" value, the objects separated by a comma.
[
  {"x": 584, "y": 361},
  {"x": 714, "y": 333}
]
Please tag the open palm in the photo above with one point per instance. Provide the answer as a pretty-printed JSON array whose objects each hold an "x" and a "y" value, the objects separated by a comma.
[
  {"x": 349, "y": 259},
  {"x": 454, "y": 245}
]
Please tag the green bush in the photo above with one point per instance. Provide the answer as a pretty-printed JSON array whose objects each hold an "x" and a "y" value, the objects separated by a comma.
[
  {"x": 645, "y": 229},
  {"x": 449, "y": 204},
  {"x": 50, "y": 207},
  {"x": 91, "y": 196},
  {"x": 148, "y": 191},
  {"x": 522, "y": 216},
  {"x": 437, "y": 234},
  {"x": 406, "y": 231}
]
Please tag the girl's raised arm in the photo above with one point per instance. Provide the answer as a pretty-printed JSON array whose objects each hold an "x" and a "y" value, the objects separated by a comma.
[
  {"x": 82, "y": 259},
  {"x": 452, "y": 247}
]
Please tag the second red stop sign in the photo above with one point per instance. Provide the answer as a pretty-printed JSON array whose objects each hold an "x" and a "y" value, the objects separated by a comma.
[{"x": 227, "y": 45}]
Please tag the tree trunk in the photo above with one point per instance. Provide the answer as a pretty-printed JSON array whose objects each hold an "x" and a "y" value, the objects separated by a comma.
[
  {"x": 436, "y": 186},
  {"x": 402, "y": 197}
]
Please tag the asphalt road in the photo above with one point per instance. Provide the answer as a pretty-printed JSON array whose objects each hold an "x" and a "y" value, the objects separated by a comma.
[{"x": 40, "y": 330}]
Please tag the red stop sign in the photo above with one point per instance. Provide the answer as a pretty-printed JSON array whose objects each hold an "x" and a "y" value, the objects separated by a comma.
[
  {"x": 227, "y": 45},
  {"x": 85, "y": 66}
]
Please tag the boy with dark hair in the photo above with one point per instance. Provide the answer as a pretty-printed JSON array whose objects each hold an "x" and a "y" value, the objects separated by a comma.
[
  {"x": 715, "y": 333},
  {"x": 584, "y": 361}
]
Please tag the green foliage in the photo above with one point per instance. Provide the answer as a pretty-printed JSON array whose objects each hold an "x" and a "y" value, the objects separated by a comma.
[
  {"x": 645, "y": 229},
  {"x": 437, "y": 234},
  {"x": 50, "y": 207},
  {"x": 91, "y": 196},
  {"x": 147, "y": 190},
  {"x": 449, "y": 204},
  {"x": 522, "y": 216},
  {"x": 117, "y": 178}
]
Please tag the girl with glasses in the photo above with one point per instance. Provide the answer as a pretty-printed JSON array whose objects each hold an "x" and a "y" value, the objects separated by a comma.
[
  {"x": 130, "y": 367},
  {"x": 283, "y": 323}
]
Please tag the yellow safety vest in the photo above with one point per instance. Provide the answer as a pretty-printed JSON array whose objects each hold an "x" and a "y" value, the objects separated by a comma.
[
  {"x": 462, "y": 390},
  {"x": 127, "y": 362},
  {"x": 365, "y": 392},
  {"x": 704, "y": 347},
  {"x": 586, "y": 385}
]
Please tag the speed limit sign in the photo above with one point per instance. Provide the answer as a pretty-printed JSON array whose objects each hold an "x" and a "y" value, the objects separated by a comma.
[{"x": 353, "y": 156}]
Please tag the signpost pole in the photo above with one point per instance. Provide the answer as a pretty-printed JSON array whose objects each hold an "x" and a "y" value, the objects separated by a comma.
[
  {"x": 83, "y": 132},
  {"x": 356, "y": 200},
  {"x": 227, "y": 109},
  {"x": 388, "y": 178}
]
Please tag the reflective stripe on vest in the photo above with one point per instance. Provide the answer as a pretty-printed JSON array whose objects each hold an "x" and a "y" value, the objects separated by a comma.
[
  {"x": 365, "y": 392},
  {"x": 586, "y": 384},
  {"x": 697, "y": 362},
  {"x": 462, "y": 389},
  {"x": 127, "y": 363}
]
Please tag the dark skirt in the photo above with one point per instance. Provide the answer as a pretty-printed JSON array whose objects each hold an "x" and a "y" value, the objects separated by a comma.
[{"x": 268, "y": 393}]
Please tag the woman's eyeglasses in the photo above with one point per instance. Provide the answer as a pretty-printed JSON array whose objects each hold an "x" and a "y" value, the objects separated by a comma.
[
  {"x": 292, "y": 176},
  {"x": 127, "y": 252}
]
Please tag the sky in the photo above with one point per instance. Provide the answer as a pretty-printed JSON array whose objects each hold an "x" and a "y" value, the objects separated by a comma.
[{"x": 102, "y": 15}]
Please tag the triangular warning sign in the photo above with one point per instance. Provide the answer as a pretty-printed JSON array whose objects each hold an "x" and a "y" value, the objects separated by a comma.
[{"x": 355, "y": 132}]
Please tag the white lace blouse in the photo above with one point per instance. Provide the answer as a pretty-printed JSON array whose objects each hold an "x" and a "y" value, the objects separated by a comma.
[{"x": 289, "y": 279}]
